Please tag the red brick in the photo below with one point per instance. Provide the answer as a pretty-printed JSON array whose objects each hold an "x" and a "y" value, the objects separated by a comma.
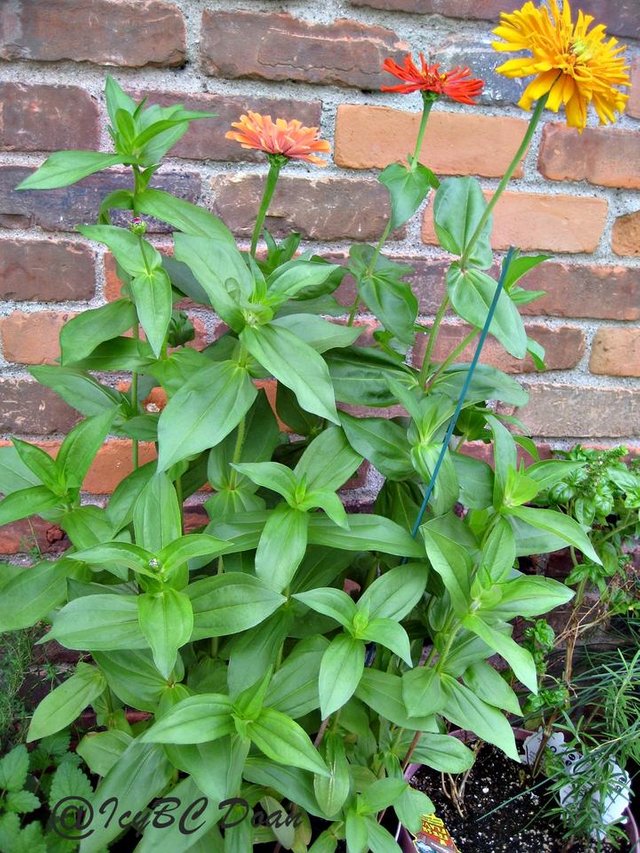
[
  {"x": 616, "y": 352},
  {"x": 132, "y": 33},
  {"x": 64, "y": 209},
  {"x": 21, "y": 536},
  {"x": 47, "y": 118},
  {"x": 373, "y": 137},
  {"x": 205, "y": 138},
  {"x": 268, "y": 46},
  {"x": 320, "y": 209},
  {"x": 625, "y": 237},
  {"x": 27, "y": 408},
  {"x": 620, "y": 16},
  {"x": 46, "y": 270},
  {"x": 585, "y": 290},
  {"x": 534, "y": 221},
  {"x": 32, "y": 338},
  {"x": 633, "y": 104},
  {"x": 577, "y": 412},
  {"x": 564, "y": 347},
  {"x": 604, "y": 156},
  {"x": 113, "y": 463}
]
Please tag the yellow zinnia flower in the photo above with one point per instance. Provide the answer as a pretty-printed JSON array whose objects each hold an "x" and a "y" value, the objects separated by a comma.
[{"x": 575, "y": 66}]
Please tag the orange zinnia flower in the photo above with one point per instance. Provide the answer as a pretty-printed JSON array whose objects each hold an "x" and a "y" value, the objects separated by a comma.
[
  {"x": 285, "y": 138},
  {"x": 456, "y": 84}
]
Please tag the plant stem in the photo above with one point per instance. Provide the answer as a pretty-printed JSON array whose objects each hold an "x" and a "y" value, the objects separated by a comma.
[
  {"x": 533, "y": 123},
  {"x": 276, "y": 162},
  {"x": 454, "y": 354},
  {"x": 180, "y": 502},
  {"x": 134, "y": 402},
  {"x": 433, "y": 336},
  {"x": 237, "y": 450}
]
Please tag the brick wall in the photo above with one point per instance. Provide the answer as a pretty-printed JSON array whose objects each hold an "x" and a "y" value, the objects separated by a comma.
[{"x": 576, "y": 196}]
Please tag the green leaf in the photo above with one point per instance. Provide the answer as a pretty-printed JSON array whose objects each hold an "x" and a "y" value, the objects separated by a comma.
[
  {"x": 452, "y": 562},
  {"x": 393, "y": 303},
  {"x": 101, "y": 750},
  {"x": 27, "y": 502},
  {"x": 69, "y": 781},
  {"x": 471, "y": 293},
  {"x": 39, "y": 462},
  {"x": 274, "y": 565},
  {"x": 475, "y": 478},
  {"x": 422, "y": 691},
  {"x": 227, "y": 604},
  {"x": 382, "y": 692},
  {"x": 198, "y": 719},
  {"x": 221, "y": 271},
  {"x": 296, "y": 365},
  {"x": 410, "y": 806},
  {"x": 408, "y": 188},
  {"x": 284, "y": 741},
  {"x": 469, "y": 712},
  {"x": 560, "y": 525},
  {"x": 360, "y": 376},
  {"x": 380, "y": 795},
  {"x": 98, "y": 623},
  {"x": 488, "y": 383},
  {"x": 395, "y": 593},
  {"x": 295, "y": 784},
  {"x": 332, "y": 791},
  {"x": 271, "y": 475},
  {"x": 287, "y": 280},
  {"x": 77, "y": 388},
  {"x": 61, "y": 707},
  {"x": 457, "y": 209},
  {"x": 156, "y": 514},
  {"x": 120, "y": 508},
  {"x": 498, "y": 554},
  {"x": 505, "y": 457},
  {"x": 294, "y": 687},
  {"x": 382, "y": 442},
  {"x": 116, "y": 554},
  {"x": 166, "y": 620},
  {"x": 14, "y": 767},
  {"x": 151, "y": 293},
  {"x": 331, "y": 602},
  {"x": 141, "y": 774},
  {"x": 520, "y": 266},
  {"x": 328, "y": 461},
  {"x": 519, "y": 659},
  {"x": 356, "y": 832},
  {"x": 340, "y": 671},
  {"x": 528, "y": 596},
  {"x": 189, "y": 547},
  {"x": 183, "y": 215},
  {"x": 82, "y": 334},
  {"x": 319, "y": 334},
  {"x": 136, "y": 256},
  {"x": 32, "y": 594},
  {"x": 80, "y": 447},
  {"x": 388, "y": 633},
  {"x": 442, "y": 752},
  {"x": 133, "y": 677},
  {"x": 365, "y": 533},
  {"x": 491, "y": 687},
  {"x": 14, "y": 474},
  {"x": 204, "y": 411},
  {"x": 67, "y": 167},
  {"x": 21, "y": 802}
]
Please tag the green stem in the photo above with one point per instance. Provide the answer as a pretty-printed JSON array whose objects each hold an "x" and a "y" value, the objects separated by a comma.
[
  {"x": 427, "y": 104},
  {"x": 180, "y": 502},
  {"x": 237, "y": 450},
  {"x": 453, "y": 355},
  {"x": 134, "y": 402},
  {"x": 433, "y": 337},
  {"x": 533, "y": 123},
  {"x": 276, "y": 162}
]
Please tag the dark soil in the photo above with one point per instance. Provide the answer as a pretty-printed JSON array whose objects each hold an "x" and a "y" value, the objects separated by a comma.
[{"x": 517, "y": 827}]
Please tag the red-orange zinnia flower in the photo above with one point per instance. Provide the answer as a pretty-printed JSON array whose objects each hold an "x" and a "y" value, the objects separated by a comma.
[
  {"x": 456, "y": 84},
  {"x": 287, "y": 138}
]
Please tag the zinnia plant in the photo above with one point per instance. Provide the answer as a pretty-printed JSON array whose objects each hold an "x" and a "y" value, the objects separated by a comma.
[{"x": 262, "y": 678}]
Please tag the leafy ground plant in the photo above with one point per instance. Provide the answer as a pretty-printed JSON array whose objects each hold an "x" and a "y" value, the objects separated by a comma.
[{"x": 257, "y": 675}]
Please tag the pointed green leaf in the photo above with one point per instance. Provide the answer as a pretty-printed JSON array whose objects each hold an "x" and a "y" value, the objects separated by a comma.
[{"x": 61, "y": 707}]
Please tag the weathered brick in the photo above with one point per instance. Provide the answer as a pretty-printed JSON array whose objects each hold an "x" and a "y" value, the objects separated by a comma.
[
  {"x": 564, "y": 347},
  {"x": 373, "y": 137},
  {"x": 113, "y": 463},
  {"x": 625, "y": 237},
  {"x": 604, "y": 156},
  {"x": 633, "y": 104},
  {"x": 106, "y": 32},
  {"x": 205, "y": 138},
  {"x": 620, "y": 16},
  {"x": 585, "y": 290},
  {"x": 32, "y": 338},
  {"x": 47, "y": 118},
  {"x": 28, "y": 408},
  {"x": 46, "y": 270},
  {"x": 20, "y": 536},
  {"x": 576, "y": 411},
  {"x": 535, "y": 221},
  {"x": 64, "y": 209},
  {"x": 320, "y": 209},
  {"x": 268, "y": 46},
  {"x": 616, "y": 351}
]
